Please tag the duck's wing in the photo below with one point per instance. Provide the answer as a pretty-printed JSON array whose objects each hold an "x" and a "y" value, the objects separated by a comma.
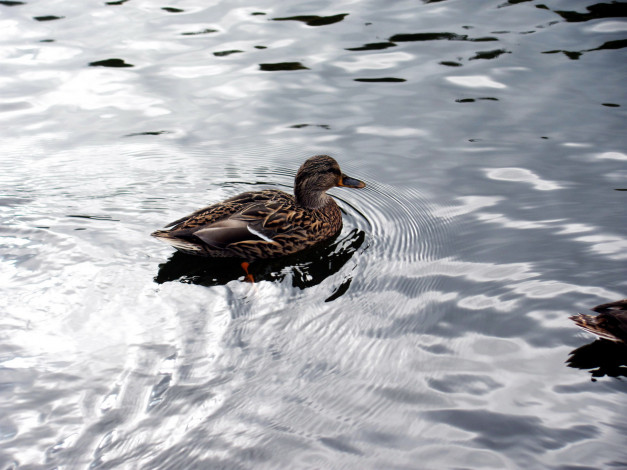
[
  {"x": 257, "y": 222},
  {"x": 211, "y": 214},
  {"x": 234, "y": 229}
]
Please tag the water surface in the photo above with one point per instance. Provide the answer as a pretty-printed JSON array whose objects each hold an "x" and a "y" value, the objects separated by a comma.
[{"x": 432, "y": 333}]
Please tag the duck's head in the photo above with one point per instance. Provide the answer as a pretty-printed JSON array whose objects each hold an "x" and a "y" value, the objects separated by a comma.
[{"x": 315, "y": 176}]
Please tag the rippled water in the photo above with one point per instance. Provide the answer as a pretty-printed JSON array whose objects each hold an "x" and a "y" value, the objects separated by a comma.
[{"x": 432, "y": 333}]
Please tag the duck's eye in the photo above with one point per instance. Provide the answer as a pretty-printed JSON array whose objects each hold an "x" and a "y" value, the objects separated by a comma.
[{"x": 335, "y": 171}]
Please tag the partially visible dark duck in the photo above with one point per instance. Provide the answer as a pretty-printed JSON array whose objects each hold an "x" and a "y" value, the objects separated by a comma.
[
  {"x": 269, "y": 223},
  {"x": 610, "y": 324}
]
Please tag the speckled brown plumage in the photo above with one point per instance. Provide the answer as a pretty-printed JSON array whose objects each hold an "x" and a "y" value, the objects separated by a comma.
[
  {"x": 611, "y": 323},
  {"x": 269, "y": 223}
]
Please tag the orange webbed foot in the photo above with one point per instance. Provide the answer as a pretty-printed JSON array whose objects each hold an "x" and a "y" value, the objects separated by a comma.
[{"x": 248, "y": 277}]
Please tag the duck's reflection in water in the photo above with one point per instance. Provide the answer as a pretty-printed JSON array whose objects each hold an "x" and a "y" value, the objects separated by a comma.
[
  {"x": 307, "y": 268},
  {"x": 601, "y": 358}
]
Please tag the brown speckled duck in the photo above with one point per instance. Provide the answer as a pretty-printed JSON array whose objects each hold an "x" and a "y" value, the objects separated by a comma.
[
  {"x": 266, "y": 224},
  {"x": 611, "y": 323}
]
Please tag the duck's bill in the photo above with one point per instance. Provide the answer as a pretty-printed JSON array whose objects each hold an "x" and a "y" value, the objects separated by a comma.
[{"x": 349, "y": 182}]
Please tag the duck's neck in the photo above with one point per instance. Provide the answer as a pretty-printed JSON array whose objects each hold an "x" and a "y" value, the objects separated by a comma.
[{"x": 312, "y": 199}]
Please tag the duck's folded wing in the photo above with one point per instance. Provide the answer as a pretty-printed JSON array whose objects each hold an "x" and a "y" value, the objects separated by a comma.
[
  {"x": 233, "y": 230},
  {"x": 248, "y": 225}
]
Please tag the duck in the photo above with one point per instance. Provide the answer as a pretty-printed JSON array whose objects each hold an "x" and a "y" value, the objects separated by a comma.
[
  {"x": 268, "y": 223},
  {"x": 610, "y": 324}
]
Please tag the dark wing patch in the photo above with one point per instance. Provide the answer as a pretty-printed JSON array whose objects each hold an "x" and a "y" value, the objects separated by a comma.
[
  {"x": 223, "y": 234},
  {"x": 248, "y": 225}
]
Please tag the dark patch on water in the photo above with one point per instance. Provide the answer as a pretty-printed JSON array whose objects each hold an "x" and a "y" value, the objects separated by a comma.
[
  {"x": 596, "y": 12},
  {"x": 282, "y": 66},
  {"x": 611, "y": 45},
  {"x": 204, "y": 31},
  {"x": 489, "y": 54},
  {"x": 148, "y": 133},
  {"x": 48, "y": 18},
  {"x": 438, "y": 37},
  {"x": 382, "y": 79},
  {"x": 301, "y": 126},
  {"x": 472, "y": 100},
  {"x": 575, "y": 55},
  {"x": 226, "y": 53},
  {"x": 115, "y": 63},
  {"x": 373, "y": 46},
  {"x": 340, "y": 291},
  {"x": 94, "y": 217},
  {"x": 513, "y": 2},
  {"x": 314, "y": 20}
]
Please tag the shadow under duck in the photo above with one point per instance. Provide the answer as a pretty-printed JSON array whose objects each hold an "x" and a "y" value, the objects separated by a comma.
[
  {"x": 269, "y": 223},
  {"x": 610, "y": 324}
]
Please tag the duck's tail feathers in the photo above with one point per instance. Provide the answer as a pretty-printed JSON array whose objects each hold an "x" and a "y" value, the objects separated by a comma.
[
  {"x": 591, "y": 324},
  {"x": 178, "y": 243}
]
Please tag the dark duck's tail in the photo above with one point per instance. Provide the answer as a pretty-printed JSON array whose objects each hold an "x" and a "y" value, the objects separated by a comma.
[
  {"x": 610, "y": 324},
  {"x": 179, "y": 243}
]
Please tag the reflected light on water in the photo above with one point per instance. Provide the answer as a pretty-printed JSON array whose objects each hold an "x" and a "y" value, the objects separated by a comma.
[
  {"x": 194, "y": 71},
  {"x": 539, "y": 289},
  {"x": 476, "y": 81},
  {"x": 608, "y": 245},
  {"x": 390, "y": 131},
  {"x": 94, "y": 89},
  {"x": 477, "y": 272},
  {"x": 375, "y": 61},
  {"x": 505, "y": 221},
  {"x": 522, "y": 175},
  {"x": 608, "y": 27},
  {"x": 612, "y": 156},
  {"x": 482, "y": 302},
  {"x": 467, "y": 204}
]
